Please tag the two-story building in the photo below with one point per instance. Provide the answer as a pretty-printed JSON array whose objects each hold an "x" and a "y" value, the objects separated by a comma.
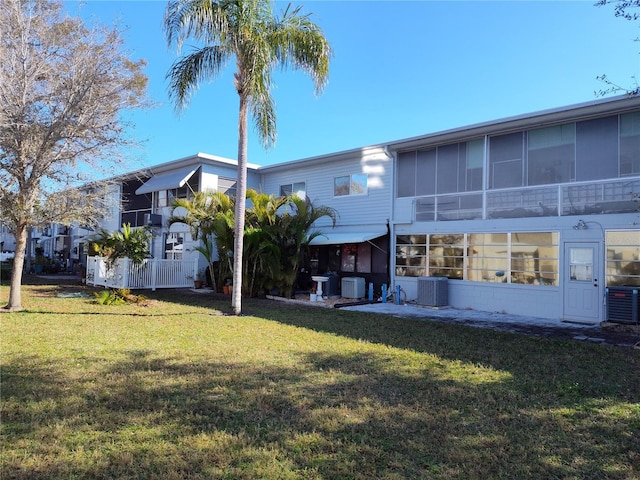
[{"x": 535, "y": 214}]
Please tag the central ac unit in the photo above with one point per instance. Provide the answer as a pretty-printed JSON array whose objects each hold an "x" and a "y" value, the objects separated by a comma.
[
  {"x": 623, "y": 304},
  {"x": 433, "y": 291},
  {"x": 353, "y": 287}
]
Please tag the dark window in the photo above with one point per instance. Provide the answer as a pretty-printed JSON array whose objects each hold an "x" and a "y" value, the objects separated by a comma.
[
  {"x": 597, "y": 149},
  {"x": 505, "y": 157}
]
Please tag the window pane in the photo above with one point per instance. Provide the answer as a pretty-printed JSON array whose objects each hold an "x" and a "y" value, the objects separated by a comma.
[
  {"x": 285, "y": 190},
  {"x": 173, "y": 246},
  {"x": 425, "y": 209},
  {"x": 341, "y": 186},
  {"x": 358, "y": 184},
  {"x": 597, "y": 149},
  {"x": 551, "y": 155},
  {"x": 447, "y": 169},
  {"x": 505, "y": 157},
  {"x": 426, "y": 172},
  {"x": 411, "y": 255},
  {"x": 446, "y": 256},
  {"x": 475, "y": 160},
  {"x": 487, "y": 257},
  {"x": 406, "y": 174},
  {"x": 581, "y": 264},
  {"x": 623, "y": 258},
  {"x": 630, "y": 144},
  {"x": 534, "y": 258}
]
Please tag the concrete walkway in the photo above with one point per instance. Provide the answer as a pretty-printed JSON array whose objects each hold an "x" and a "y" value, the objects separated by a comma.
[{"x": 606, "y": 334}]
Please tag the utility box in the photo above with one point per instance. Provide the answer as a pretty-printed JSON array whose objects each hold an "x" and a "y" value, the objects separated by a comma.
[
  {"x": 353, "y": 287},
  {"x": 623, "y": 304},
  {"x": 433, "y": 291},
  {"x": 332, "y": 285}
]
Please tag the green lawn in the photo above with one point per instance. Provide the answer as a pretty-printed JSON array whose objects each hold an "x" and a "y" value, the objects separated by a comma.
[{"x": 178, "y": 390}]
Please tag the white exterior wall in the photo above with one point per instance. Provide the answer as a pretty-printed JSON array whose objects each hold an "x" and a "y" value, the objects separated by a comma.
[
  {"x": 355, "y": 212},
  {"x": 210, "y": 173}
]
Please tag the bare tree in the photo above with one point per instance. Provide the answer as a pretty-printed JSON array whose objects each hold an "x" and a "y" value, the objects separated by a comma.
[
  {"x": 64, "y": 87},
  {"x": 627, "y": 9}
]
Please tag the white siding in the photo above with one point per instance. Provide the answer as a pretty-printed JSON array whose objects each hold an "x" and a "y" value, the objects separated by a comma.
[{"x": 354, "y": 210}]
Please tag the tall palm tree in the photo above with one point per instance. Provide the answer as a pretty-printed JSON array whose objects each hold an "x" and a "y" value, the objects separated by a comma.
[{"x": 248, "y": 31}]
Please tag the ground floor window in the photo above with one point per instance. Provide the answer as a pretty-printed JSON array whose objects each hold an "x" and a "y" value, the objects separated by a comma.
[
  {"x": 173, "y": 246},
  {"x": 529, "y": 258},
  {"x": 623, "y": 258}
]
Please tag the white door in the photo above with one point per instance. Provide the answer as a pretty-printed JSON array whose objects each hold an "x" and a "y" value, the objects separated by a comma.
[{"x": 582, "y": 285}]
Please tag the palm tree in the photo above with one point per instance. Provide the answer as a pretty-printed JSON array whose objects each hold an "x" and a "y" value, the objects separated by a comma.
[
  {"x": 248, "y": 31},
  {"x": 293, "y": 237},
  {"x": 208, "y": 214}
]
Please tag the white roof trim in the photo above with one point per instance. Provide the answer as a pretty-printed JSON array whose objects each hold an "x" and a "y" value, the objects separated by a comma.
[
  {"x": 341, "y": 238},
  {"x": 167, "y": 181}
]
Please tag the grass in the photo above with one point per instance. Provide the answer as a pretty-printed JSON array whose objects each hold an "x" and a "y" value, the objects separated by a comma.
[{"x": 177, "y": 389}]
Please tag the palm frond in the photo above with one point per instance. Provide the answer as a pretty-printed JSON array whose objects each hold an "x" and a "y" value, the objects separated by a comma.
[{"x": 186, "y": 73}]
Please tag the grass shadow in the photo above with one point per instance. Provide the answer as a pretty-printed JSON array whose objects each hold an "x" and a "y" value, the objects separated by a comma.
[{"x": 329, "y": 416}]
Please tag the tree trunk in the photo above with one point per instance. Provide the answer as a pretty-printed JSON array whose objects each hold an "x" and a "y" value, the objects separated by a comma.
[
  {"x": 15, "y": 292},
  {"x": 241, "y": 200}
]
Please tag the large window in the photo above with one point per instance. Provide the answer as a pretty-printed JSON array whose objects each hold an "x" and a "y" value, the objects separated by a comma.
[
  {"x": 446, "y": 256},
  {"x": 453, "y": 168},
  {"x": 355, "y": 184},
  {"x": 529, "y": 258},
  {"x": 597, "y": 149},
  {"x": 623, "y": 258},
  {"x": 534, "y": 258},
  {"x": 487, "y": 257},
  {"x": 551, "y": 155},
  {"x": 506, "y": 160}
]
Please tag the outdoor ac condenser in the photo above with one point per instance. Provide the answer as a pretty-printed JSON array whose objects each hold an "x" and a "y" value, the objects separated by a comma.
[
  {"x": 353, "y": 287},
  {"x": 433, "y": 291},
  {"x": 623, "y": 305}
]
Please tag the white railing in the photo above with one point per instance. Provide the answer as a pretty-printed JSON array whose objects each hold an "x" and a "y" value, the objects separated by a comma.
[{"x": 150, "y": 274}]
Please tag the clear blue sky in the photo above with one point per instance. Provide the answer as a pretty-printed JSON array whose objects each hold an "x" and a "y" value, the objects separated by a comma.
[{"x": 400, "y": 69}]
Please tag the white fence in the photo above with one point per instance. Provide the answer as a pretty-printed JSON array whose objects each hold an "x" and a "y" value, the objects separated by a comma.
[{"x": 150, "y": 274}]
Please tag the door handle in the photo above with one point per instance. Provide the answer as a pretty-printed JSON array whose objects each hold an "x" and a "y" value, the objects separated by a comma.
[{"x": 595, "y": 282}]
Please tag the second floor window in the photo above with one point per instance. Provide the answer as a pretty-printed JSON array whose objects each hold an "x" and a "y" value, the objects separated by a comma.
[
  {"x": 299, "y": 189},
  {"x": 355, "y": 184}
]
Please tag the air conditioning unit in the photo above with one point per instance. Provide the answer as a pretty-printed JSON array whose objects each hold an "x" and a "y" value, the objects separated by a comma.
[
  {"x": 623, "y": 304},
  {"x": 433, "y": 291},
  {"x": 353, "y": 287}
]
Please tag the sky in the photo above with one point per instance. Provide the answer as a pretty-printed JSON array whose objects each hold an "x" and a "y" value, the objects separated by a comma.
[{"x": 399, "y": 69}]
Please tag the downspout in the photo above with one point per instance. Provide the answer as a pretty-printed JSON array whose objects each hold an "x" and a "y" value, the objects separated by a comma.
[{"x": 390, "y": 223}]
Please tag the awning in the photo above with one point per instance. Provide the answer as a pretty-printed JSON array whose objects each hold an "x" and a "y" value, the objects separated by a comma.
[
  {"x": 167, "y": 181},
  {"x": 341, "y": 238}
]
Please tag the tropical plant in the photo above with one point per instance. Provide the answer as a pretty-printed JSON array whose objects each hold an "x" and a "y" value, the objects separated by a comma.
[
  {"x": 276, "y": 238},
  {"x": 118, "y": 296},
  {"x": 262, "y": 254},
  {"x": 248, "y": 31},
  {"x": 128, "y": 243},
  {"x": 209, "y": 216},
  {"x": 293, "y": 237}
]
